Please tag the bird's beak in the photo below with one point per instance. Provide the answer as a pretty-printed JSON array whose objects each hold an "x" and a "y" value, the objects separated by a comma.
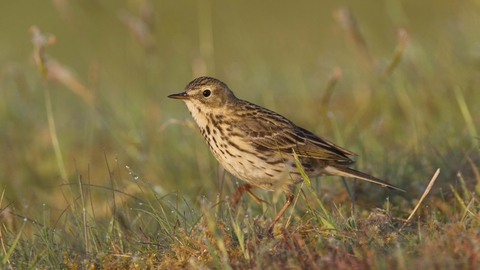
[{"x": 182, "y": 95}]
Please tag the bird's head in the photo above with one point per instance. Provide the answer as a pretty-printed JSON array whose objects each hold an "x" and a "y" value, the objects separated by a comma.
[{"x": 205, "y": 94}]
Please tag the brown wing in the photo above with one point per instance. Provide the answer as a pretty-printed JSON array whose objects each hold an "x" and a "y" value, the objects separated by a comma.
[{"x": 275, "y": 132}]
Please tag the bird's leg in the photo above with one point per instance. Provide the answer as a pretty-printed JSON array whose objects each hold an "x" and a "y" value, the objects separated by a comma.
[
  {"x": 289, "y": 201},
  {"x": 245, "y": 188}
]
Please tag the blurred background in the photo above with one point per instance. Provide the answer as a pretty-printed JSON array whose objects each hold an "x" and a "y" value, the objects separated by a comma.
[{"x": 395, "y": 81}]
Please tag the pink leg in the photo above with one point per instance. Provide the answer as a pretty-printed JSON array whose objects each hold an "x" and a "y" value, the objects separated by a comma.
[{"x": 289, "y": 201}]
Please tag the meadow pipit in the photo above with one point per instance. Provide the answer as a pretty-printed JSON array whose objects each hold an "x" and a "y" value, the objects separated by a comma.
[{"x": 258, "y": 146}]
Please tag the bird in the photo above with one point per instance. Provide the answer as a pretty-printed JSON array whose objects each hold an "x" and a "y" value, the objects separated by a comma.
[{"x": 259, "y": 146}]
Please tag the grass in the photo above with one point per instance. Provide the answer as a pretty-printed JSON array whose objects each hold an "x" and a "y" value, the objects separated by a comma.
[
  {"x": 100, "y": 170},
  {"x": 155, "y": 231}
]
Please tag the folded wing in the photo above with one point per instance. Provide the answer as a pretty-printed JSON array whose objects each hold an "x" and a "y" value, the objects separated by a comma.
[{"x": 277, "y": 133}]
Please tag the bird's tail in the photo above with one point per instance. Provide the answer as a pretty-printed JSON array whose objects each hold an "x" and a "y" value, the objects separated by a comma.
[{"x": 348, "y": 172}]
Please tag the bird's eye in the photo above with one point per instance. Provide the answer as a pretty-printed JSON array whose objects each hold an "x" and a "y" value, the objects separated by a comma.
[{"x": 207, "y": 93}]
